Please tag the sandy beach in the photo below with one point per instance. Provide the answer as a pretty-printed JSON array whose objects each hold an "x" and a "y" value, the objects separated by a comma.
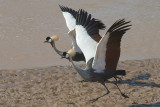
[
  {"x": 33, "y": 75},
  {"x": 60, "y": 87}
]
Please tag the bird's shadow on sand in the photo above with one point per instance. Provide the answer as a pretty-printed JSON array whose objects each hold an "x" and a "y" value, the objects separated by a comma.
[
  {"x": 146, "y": 105},
  {"x": 134, "y": 81}
]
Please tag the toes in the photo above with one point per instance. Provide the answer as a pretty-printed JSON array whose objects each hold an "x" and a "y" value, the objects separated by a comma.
[
  {"x": 125, "y": 96},
  {"x": 93, "y": 100}
]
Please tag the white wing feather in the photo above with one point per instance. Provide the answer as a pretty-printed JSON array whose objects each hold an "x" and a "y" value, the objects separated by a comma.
[
  {"x": 70, "y": 20},
  {"x": 85, "y": 42},
  {"x": 100, "y": 56},
  {"x": 71, "y": 23},
  {"x": 72, "y": 35}
]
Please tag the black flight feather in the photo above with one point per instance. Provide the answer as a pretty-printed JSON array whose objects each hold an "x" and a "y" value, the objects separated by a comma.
[
  {"x": 69, "y": 10},
  {"x": 90, "y": 24}
]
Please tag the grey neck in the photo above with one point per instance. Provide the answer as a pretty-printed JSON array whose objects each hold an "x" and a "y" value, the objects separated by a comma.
[
  {"x": 57, "y": 51},
  {"x": 85, "y": 73}
]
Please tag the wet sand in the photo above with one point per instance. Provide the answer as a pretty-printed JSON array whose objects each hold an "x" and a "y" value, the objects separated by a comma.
[
  {"x": 60, "y": 87},
  {"x": 24, "y": 25}
]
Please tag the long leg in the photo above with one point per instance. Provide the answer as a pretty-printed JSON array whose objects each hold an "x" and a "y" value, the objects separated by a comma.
[
  {"x": 95, "y": 99},
  {"x": 118, "y": 78},
  {"x": 120, "y": 90}
]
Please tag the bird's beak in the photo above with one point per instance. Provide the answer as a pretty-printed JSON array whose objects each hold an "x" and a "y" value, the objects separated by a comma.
[
  {"x": 62, "y": 57},
  {"x": 45, "y": 42}
]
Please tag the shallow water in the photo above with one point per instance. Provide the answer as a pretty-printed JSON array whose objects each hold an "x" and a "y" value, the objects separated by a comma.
[{"x": 24, "y": 25}]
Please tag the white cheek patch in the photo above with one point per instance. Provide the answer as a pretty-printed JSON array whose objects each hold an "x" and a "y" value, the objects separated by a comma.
[
  {"x": 67, "y": 55},
  {"x": 50, "y": 40}
]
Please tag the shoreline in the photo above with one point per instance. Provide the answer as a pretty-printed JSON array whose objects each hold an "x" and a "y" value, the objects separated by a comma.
[{"x": 77, "y": 63}]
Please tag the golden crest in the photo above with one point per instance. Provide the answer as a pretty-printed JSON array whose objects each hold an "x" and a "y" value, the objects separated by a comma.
[
  {"x": 55, "y": 38},
  {"x": 71, "y": 52}
]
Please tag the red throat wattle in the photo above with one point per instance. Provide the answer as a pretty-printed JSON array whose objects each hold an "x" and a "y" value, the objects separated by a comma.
[{"x": 51, "y": 44}]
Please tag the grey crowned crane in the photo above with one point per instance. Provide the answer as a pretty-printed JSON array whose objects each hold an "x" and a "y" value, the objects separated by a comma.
[
  {"x": 102, "y": 61},
  {"x": 70, "y": 18}
]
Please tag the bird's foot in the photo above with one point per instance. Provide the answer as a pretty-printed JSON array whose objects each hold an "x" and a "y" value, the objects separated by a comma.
[
  {"x": 82, "y": 81},
  {"x": 93, "y": 100},
  {"x": 119, "y": 79},
  {"x": 125, "y": 96}
]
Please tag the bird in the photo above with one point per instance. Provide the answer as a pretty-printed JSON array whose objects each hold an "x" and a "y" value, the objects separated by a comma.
[
  {"x": 69, "y": 15},
  {"x": 88, "y": 43},
  {"x": 101, "y": 64},
  {"x": 70, "y": 18}
]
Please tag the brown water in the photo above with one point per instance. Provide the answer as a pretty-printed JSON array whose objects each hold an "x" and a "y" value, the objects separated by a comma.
[{"x": 24, "y": 25}]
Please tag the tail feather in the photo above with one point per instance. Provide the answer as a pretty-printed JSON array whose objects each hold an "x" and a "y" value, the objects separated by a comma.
[{"x": 120, "y": 72}]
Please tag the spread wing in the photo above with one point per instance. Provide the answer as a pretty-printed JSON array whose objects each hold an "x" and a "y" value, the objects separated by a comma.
[
  {"x": 108, "y": 49},
  {"x": 70, "y": 17},
  {"x": 87, "y": 33}
]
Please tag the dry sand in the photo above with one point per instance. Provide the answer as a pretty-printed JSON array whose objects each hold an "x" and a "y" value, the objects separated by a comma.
[{"x": 60, "y": 87}]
